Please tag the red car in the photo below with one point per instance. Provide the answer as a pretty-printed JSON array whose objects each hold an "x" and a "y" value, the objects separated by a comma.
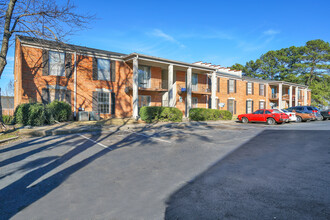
[{"x": 271, "y": 116}]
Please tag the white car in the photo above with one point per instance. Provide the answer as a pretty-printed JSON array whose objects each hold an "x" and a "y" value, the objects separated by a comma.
[{"x": 292, "y": 115}]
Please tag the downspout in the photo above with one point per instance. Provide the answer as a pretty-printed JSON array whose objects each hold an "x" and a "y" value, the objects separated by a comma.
[{"x": 75, "y": 84}]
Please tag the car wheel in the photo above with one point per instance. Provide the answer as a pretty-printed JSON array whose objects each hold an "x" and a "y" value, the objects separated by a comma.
[
  {"x": 323, "y": 118},
  {"x": 299, "y": 119},
  {"x": 270, "y": 121},
  {"x": 245, "y": 120}
]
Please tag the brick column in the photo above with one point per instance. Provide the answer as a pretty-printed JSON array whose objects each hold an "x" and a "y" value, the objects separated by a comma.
[{"x": 135, "y": 88}]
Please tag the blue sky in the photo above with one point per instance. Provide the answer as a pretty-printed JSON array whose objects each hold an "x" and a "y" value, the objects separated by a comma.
[{"x": 220, "y": 32}]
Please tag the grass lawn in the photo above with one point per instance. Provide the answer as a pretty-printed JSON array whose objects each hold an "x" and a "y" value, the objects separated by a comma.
[{"x": 8, "y": 134}]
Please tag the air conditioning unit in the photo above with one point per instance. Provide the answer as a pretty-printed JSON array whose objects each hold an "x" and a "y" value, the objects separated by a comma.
[
  {"x": 94, "y": 116},
  {"x": 83, "y": 116}
]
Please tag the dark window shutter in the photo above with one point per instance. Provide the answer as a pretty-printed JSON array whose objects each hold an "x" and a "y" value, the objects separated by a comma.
[
  {"x": 252, "y": 88},
  {"x": 113, "y": 71},
  {"x": 252, "y": 106},
  {"x": 94, "y": 68},
  {"x": 246, "y": 107},
  {"x": 260, "y": 89},
  {"x": 45, "y": 96},
  {"x": 264, "y": 90},
  {"x": 68, "y": 96},
  {"x": 247, "y": 88},
  {"x": 235, "y": 86},
  {"x": 235, "y": 107},
  {"x": 113, "y": 103},
  {"x": 217, "y": 103},
  {"x": 45, "y": 62},
  {"x": 68, "y": 65},
  {"x": 94, "y": 102},
  {"x": 228, "y": 104},
  {"x": 218, "y": 85},
  {"x": 228, "y": 86}
]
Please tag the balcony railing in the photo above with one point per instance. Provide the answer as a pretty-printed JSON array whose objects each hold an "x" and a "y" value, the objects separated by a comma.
[
  {"x": 158, "y": 87},
  {"x": 274, "y": 96},
  {"x": 199, "y": 89}
]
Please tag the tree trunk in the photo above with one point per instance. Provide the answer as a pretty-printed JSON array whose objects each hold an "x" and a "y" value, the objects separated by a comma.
[{"x": 4, "y": 47}]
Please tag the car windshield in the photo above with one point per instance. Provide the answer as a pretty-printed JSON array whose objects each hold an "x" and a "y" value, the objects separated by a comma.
[
  {"x": 310, "y": 108},
  {"x": 276, "y": 111},
  {"x": 284, "y": 110}
]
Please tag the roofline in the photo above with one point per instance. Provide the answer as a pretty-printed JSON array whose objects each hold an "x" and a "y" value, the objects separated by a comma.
[
  {"x": 168, "y": 61},
  {"x": 287, "y": 83}
]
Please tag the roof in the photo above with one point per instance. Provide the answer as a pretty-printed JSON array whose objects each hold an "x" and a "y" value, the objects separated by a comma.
[
  {"x": 7, "y": 102},
  {"x": 60, "y": 45},
  {"x": 272, "y": 81}
]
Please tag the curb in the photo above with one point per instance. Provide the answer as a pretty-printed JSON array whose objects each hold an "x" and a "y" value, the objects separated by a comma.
[{"x": 8, "y": 139}]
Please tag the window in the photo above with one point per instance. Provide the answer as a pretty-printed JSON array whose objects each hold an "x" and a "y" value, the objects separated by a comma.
[
  {"x": 195, "y": 102},
  {"x": 259, "y": 112},
  {"x": 49, "y": 95},
  {"x": 276, "y": 111},
  {"x": 267, "y": 112},
  {"x": 144, "y": 100},
  {"x": 261, "y": 89},
  {"x": 261, "y": 104},
  {"x": 103, "y": 102},
  {"x": 56, "y": 63},
  {"x": 144, "y": 76},
  {"x": 194, "y": 83},
  {"x": 103, "y": 69},
  {"x": 231, "y": 84},
  {"x": 249, "y": 106},
  {"x": 249, "y": 88},
  {"x": 231, "y": 106}
]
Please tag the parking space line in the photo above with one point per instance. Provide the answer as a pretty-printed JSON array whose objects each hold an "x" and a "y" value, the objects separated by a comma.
[
  {"x": 102, "y": 145},
  {"x": 158, "y": 139}
]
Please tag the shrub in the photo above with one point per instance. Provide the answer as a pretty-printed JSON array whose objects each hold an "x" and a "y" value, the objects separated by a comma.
[
  {"x": 204, "y": 114},
  {"x": 37, "y": 114},
  {"x": 156, "y": 113},
  {"x": 61, "y": 111},
  {"x": 21, "y": 115},
  {"x": 8, "y": 119}
]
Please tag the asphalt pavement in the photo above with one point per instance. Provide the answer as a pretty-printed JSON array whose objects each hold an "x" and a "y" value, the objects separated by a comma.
[{"x": 231, "y": 171}]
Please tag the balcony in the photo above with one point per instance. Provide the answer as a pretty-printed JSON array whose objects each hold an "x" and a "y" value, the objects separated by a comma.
[
  {"x": 155, "y": 86},
  {"x": 199, "y": 89},
  {"x": 274, "y": 96}
]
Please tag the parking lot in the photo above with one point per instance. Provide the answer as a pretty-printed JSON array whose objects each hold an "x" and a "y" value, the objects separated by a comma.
[{"x": 248, "y": 171}]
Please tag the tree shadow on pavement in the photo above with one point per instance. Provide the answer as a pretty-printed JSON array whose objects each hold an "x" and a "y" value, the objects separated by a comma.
[
  {"x": 281, "y": 174},
  {"x": 39, "y": 180}
]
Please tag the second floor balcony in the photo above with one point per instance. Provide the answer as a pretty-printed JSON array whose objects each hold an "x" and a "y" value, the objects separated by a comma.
[
  {"x": 196, "y": 89},
  {"x": 151, "y": 85}
]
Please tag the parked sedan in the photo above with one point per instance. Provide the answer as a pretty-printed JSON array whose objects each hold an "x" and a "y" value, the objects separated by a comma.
[
  {"x": 302, "y": 116},
  {"x": 307, "y": 109},
  {"x": 292, "y": 115},
  {"x": 271, "y": 116},
  {"x": 325, "y": 114}
]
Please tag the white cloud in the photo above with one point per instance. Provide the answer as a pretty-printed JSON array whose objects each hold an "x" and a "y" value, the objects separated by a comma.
[
  {"x": 161, "y": 34},
  {"x": 271, "y": 32}
]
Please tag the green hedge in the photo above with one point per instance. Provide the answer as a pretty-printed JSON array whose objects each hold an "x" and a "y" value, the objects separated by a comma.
[
  {"x": 204, "y": 114},
  {"x": 8, "y": 119},
  {"x": 155, "y": 113},
  {"x": 37, "y": 114}
]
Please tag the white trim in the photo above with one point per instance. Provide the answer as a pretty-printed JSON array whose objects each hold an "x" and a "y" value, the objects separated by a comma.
[
  {"x": 103, "y": 90},
  {"x": 90, "y": 54},
  {"x": 249, "y": 99},
  {"x": 56, "y": 87},
  {"x": 231, "y": 98},
  {"x": 261, "y": 100}
]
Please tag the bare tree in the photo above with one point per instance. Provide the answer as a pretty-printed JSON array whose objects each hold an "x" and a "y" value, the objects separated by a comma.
[{"x": 45, "y": 19}]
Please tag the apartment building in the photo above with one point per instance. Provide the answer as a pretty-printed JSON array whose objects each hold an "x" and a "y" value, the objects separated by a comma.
[{"x": 117, "y": 85}]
